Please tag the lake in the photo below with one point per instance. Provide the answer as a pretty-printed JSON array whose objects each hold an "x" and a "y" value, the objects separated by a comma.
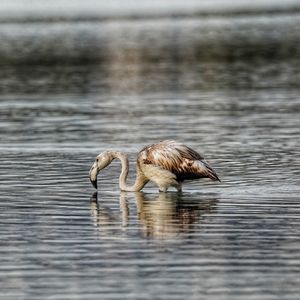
[{"x": 228, "y": 86}]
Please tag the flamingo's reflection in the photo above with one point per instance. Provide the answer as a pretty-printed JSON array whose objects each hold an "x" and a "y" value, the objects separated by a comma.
[{"x": 161, "y": 215}]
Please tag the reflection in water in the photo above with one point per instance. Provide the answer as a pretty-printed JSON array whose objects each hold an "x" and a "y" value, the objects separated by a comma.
[
  {"x": 168, "y": 214},
  {"x": 163, "y": 215},
  {"x": 103, "y": 217}
]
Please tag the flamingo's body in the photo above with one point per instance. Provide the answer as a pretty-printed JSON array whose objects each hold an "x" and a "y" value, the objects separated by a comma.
[{"x": 167, "y": 163}]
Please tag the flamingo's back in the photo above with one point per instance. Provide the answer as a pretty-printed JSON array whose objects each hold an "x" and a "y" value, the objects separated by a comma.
[{"x": 182, "y": 161}]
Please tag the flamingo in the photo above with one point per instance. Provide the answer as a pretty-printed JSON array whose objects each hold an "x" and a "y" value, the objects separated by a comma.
[{"x": 167, "y": 163}]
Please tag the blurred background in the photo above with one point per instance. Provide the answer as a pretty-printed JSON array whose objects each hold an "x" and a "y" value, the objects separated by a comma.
[
  {"x": 79, "y": 77},
  {"x": 67, "y": 65}
]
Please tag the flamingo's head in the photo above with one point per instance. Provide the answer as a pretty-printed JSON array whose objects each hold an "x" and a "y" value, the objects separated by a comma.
[{"x": 102, "y": 160}]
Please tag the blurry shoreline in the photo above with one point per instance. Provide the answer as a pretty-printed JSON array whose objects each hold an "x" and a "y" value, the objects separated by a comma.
[
  {"x": 151, "y": 31},
  {"x": 19, "y": 11},
  {"x": 195, "y": 44},
  {"x": 148, "y": 16},
  {"x": 263, "y": 37}
]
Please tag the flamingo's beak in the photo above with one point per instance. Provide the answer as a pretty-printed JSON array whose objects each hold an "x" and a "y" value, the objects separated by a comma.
[{"x": 93, "y": 175}]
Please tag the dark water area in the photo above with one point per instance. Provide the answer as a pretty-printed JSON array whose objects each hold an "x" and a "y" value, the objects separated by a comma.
[{"x": 226, "y": 86}]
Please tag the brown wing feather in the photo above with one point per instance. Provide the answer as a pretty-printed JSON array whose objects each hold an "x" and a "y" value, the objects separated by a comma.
[{"x": 177, "y": 158}]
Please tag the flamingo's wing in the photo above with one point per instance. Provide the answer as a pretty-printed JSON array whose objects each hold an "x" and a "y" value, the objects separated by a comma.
[{"x": 177, "y": 158}]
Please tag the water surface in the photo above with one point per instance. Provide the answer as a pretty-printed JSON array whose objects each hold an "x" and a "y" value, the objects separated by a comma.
[{"x": 228, "y": 87}]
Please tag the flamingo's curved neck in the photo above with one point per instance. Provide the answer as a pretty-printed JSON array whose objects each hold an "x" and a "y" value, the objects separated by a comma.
[{"x": 140, "y": 180}]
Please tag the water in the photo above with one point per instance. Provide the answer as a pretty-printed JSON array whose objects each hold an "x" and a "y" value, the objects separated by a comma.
[{"x": 226, "y": 86}]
